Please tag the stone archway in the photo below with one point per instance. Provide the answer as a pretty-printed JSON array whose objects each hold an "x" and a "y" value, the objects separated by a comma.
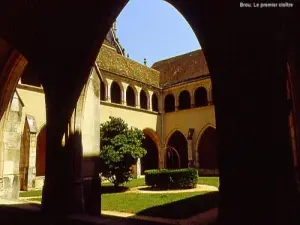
[
  {"x": 207, "y": 149},
  {"x": 151, "y": 159},
  {"x": 41, "y": 152},
  {"x": 177, "y": 143}
]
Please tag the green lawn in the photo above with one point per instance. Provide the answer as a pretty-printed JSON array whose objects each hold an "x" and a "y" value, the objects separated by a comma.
[
  {"x": 31, "y": 193},
  {"x": 214, "y": 181},
  {"x": 175, "y": 205}
]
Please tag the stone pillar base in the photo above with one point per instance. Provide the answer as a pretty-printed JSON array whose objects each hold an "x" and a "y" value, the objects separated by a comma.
[
  {"x": 63, "y": 197},
  {"x": 92, "y": 195},
  {"x": 80, "y": 196}
]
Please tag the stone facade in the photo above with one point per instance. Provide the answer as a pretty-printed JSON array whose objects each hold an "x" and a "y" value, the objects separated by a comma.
[{"x": 146, "y": 111}]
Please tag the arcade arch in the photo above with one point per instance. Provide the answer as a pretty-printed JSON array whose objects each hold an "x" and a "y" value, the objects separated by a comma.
[
  {"x": 184, "y": 99},
  {"x": 200, "y": 96},
  {"x": 143, "y": 100},
  {"x": 169, "y": 103},
  {"x": 116, "y": 93},
  {"x": 130, "y": 96},
  {"x": 177, "y": 151}
]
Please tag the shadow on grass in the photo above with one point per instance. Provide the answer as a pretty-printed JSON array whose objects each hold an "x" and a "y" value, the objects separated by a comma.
[
  {"x": 112, "y": 189},
  {"x": 23, "y": 214},
  {"x": 184, "y": 208}
]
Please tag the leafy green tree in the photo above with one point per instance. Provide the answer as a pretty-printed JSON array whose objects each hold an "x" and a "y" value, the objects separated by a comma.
[{"x": 120, "y": 147}]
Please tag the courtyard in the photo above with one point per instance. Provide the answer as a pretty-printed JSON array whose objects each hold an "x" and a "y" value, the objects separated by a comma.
[{"x": 171, "y": 205}]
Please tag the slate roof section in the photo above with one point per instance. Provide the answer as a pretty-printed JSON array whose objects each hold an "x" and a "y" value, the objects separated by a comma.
[
  {"x": 182, "y": 68},
  {"x": 109, "y": 61}
]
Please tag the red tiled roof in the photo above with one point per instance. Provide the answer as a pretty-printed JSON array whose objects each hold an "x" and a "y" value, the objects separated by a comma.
[{"x": 181, "y": 68}]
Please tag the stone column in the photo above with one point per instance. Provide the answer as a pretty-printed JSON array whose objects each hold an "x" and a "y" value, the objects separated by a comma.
[
  {"x": 176, "y": 102},
  {"x": 72, "y": 183},
  {"x": 192, "y": 99},
  {"x": 108, "y": 92},
  {"x": 253, "y": 132},
  {"x": 294, "y": 85},
  {"x": 124, "y": 97},
  {"x": 190, "y": 153},
  {"x": 150, "y": 100},
  {"x": 138, "y": 100}
]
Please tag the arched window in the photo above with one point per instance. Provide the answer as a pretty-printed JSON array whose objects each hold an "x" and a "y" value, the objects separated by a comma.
[
  {"x": 184, "y": 100},
  {"x": 30, "y": 77},
  {"x": 102, "y": 91},
  {"x": 169, "y": 103},
  {"x": 130, "y": 96},
  {"x": 143, "y": 100},
  {"x": 154, "y": 103},
  {"x": 115, "y": 92},
  {"x": 200, "y": 97}
]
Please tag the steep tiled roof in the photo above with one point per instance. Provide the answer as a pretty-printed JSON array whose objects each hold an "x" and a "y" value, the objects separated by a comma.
[
  {"x": 182, "y": 68},
  {"x": 109, "y": 61}
]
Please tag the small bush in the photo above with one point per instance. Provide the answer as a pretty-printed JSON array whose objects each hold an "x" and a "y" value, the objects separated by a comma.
[{"x": 172, "y": 179}]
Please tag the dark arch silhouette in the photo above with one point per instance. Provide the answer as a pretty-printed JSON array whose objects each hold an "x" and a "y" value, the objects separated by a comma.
[
  {"x": 115, "y": 92},
  {"x": 179, "y": 143},
  {"x": 150, "y": 160},
  {"x": 207, "y": 149},
  {"x": 143, "y": 100},
  {"x": 200, "y": 97},
  {"x": 102, "y": 91},
  {"x": 169, "y": 103},
  {"x": 184, "y": 100},
  {"x": 130, "y": 96},
  {"x": 30, "y": 77},
  {"x": 41, "y": 152},
  {"x": 154, "y": 103}
]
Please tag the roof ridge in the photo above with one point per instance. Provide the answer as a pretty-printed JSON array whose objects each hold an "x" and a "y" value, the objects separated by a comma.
[
  {"x": 131, "y": 60},
  {"x": 176, "y": 56}
]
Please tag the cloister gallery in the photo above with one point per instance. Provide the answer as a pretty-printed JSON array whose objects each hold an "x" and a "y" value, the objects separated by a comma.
[
  {"x": 174, "y": 110},
  {"x": 252, "y": 54}
]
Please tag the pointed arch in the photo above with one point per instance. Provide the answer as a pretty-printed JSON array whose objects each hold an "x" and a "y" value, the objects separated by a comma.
[
  {"x": 207, "y": 148},
  {"x": 151, "y": 144},
  {"x": 177, "y": 146}
]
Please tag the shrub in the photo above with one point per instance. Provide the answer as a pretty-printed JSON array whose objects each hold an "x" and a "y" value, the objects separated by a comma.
[
  {"x": 172, "y": 179},
  {"x": 120, "y": 147}
]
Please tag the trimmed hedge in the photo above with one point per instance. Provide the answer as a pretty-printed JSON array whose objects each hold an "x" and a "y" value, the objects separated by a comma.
[{"x": 172, "y": 179}]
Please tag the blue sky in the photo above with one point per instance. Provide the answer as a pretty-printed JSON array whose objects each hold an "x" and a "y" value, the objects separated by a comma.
[{"x": 155, "y": 30}]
